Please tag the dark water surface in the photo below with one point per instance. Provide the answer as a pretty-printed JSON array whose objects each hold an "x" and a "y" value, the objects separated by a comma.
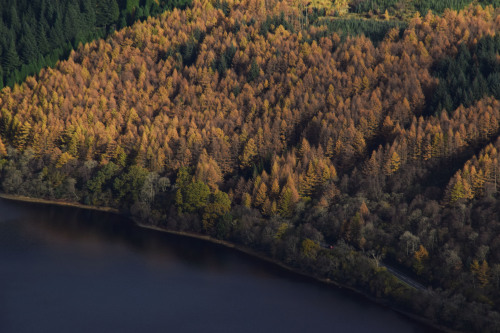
[{"x": 71, "y": 270}]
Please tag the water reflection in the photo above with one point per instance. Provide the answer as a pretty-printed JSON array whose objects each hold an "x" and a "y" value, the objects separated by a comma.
[{"x": 76, "y": 270}]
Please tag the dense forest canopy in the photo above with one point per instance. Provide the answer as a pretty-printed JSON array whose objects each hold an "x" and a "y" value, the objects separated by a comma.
[
  {"x": 36, "y": 33},
  {"x": 254, "y": 121},
  {"x": 423, "y": 6}
]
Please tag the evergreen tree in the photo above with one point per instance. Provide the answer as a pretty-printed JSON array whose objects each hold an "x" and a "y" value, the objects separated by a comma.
[
  {"x": 14, "y": 20},
  {"x": 56, "y": 35},
  {"x": 71, "y": 23},
  {"x": 41, "y": 36},
  {"x": 131, "y": 5},
  {"x": 10, "y": 59},
  {"x": 254, "y": 71},
  {"x": 107, "y": 13},
  {"x": 28, "y": 45}
]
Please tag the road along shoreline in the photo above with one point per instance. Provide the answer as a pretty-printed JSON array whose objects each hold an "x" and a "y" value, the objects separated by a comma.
[{"x": 227, "y": 244}]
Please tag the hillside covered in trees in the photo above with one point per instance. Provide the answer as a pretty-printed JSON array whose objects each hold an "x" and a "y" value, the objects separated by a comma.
[
  {"x": 36, "y": 33},
  {"x": 263, "y": 123}
]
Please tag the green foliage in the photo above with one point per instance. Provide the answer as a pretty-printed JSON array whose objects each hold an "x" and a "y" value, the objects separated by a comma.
[
  {"x": 423, "y": 6},
  {"x": 183, "y": 178},
  {"x": 218, "y": 206},
  {"x": 309, "y": 248},
  {"x": 342, "y": 100},
  {"x": 273, "y": 22},
  {"x": 29, "y": 42},
  {"x": 467, "y": 77},
  {"x": 191, "y": 196},
  {"x": 223, "y": 5},
  {"x": 129, "y": 185},
  {"x": 254, "y": 72},
  {"x": 10, "y": 60},
  {"x": 225, "y": 60},
  {"x": 373, "y": 29},
  {"x": 131, "y": 5},
  {"x": 189, "y": 52},
  {"x": 103, "y": 176},
  {"x": 107, "y": 12},
  {"x": 373, "y": 5}
]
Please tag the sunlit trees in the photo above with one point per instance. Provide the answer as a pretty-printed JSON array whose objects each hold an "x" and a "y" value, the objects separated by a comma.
[{"x": 277, "y": 132}]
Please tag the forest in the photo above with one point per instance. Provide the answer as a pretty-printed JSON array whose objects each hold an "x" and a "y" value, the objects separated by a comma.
[
  {"x": 37, "y": 33},
  {"x": 284, "y": 126}
]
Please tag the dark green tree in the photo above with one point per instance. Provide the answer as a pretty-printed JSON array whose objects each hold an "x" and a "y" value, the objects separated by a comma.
[
  {"x": 13, "y": 20},
  {"x": 107, "y": 13},
  {"x": 129, "y": 185},
  {"x": 10, "y": 59},
  {"x": 28, "y": 45},
  {"x": 41, "y": 36},
  {"x": 254, "y": 71}
]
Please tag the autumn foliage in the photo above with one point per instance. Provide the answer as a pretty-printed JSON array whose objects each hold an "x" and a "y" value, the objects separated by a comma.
[{"x": 284, "y": 122}]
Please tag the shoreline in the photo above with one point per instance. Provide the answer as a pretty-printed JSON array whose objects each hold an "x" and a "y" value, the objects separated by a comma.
[
  {"x": 290, "y": 269},
  {"x": 240, "y": 248},
  {"x": 245, "y": 250},
  {"x": 54, "y": 202}
]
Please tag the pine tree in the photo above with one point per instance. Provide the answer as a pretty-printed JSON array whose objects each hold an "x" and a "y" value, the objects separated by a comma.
[
  {"x": 131, "y": 5},
  {"x": 28, "y": 45},
  {"x": 107, "y": 13},
  {"x": 14, "y": 20},
  {"x": 254, "y": 72},
  {"x": 10, "y": 59},
  {"x": 41, "y": 36}
]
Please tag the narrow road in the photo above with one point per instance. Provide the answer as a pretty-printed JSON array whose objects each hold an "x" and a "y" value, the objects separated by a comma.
[
  {"x": 404, "y": 278},
  {"x": 394, "y": 271}
]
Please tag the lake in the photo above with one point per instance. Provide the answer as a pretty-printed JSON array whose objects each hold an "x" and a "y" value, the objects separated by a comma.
[{"x": 64, "y": 269}]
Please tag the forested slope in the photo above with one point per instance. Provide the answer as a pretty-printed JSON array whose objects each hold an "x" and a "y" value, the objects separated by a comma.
[
  {"x": 37, "y": 33},
  {"x": 246, "y": 122}
]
